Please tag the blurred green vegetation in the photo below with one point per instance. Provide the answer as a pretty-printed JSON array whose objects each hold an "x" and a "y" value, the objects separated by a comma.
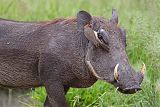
[{"x": 141, "y": 19}]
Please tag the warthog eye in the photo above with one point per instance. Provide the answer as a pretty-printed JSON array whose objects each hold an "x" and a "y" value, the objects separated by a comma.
[
  {"x": 103, "y": 36},
  {"x": 100, "y": 36}
]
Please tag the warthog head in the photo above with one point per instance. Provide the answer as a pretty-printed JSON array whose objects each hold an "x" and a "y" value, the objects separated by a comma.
[{"x": 106, "y": 52}]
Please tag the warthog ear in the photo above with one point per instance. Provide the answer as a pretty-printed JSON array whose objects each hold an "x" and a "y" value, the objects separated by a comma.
[
  {"x": 83, "y": 18},
  {"x": 84, "y": 24},
  {"x": 114, "y": 18}
]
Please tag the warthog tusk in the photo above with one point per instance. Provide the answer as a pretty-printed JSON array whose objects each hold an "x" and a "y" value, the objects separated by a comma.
[
  {"x": 92, "y": 69},
  {"x": 117, "y": 88},
  {"x": 116, "y": 72},
  {"x": 143, "y": 68}
]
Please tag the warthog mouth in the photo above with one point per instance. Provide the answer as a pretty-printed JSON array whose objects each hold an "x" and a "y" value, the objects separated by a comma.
[{"x": 130, "y": 90}]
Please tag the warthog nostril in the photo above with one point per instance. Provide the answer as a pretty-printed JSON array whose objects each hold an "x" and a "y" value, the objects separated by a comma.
[{"x": 130, "y": 90}]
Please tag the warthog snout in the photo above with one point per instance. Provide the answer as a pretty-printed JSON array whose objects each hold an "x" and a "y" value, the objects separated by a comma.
[{"x": 130, "y": 90}]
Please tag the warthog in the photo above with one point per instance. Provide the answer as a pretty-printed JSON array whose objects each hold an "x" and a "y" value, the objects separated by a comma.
[{"x": 65, "y": 53}]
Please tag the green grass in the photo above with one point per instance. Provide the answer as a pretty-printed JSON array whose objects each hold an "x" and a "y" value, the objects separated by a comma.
[{"x": 141, "y": 19}]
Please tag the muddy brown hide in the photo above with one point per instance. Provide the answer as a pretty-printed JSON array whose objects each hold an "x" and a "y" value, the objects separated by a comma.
[{"x": 54, "y": 54}]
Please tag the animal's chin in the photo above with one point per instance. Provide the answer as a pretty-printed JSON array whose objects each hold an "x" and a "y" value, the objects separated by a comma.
[{"x": 129, "y": 90}]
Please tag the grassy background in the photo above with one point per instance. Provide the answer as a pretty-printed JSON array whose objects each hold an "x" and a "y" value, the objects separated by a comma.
[{"x": 141, "y": 19}]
